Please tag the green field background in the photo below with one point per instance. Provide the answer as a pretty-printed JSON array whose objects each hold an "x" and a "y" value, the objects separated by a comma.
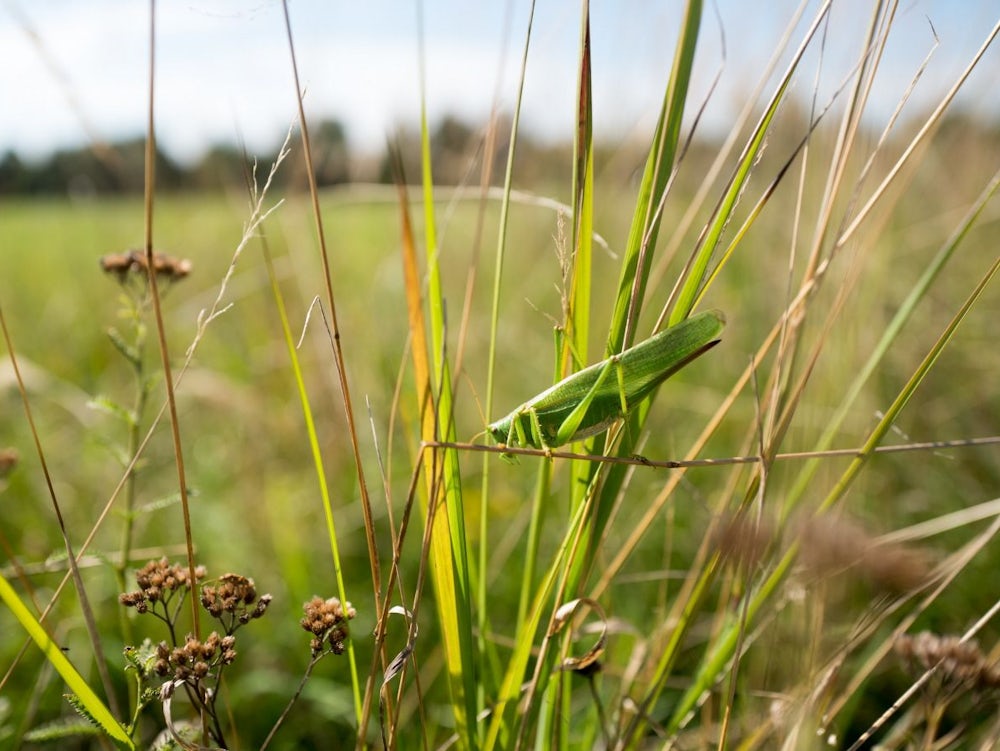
[{"x": 256, "y": 508}]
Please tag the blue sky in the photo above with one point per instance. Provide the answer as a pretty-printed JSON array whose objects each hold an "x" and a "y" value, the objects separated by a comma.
[{"x": 223, "y": 68}]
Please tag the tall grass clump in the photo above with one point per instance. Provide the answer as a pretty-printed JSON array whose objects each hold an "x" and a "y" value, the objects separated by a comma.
[{"x": 788, "y": 545}]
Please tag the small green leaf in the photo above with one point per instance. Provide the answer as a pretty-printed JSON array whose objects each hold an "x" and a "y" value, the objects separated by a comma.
[
  {"x": 59, "y": 730},
  {"x": 108, "y": 406},
  {"x": 128, "y": 351}
]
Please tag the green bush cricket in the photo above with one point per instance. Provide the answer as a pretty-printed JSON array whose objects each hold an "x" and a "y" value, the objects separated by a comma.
[{"x": 591, "y": 400}]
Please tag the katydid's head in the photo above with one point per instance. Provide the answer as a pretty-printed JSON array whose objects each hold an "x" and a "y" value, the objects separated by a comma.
[{"x": 500, "y": 430}]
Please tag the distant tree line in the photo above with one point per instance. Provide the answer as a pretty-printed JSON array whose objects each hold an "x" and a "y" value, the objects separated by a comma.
[
  {"x": 118, "y": 168},
  {"x": 457, "y": 157}
]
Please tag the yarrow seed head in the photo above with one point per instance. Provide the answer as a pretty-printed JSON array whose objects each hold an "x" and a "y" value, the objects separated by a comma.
[
  {"x": 193, "y": 662},
  {"x": 157, "y": 581},
  {"x": 134, "y": 263},
  {"x": 233, "y": 597},
  {"x": 961, "y": 664},
  {"x": 327, "y": 620}
]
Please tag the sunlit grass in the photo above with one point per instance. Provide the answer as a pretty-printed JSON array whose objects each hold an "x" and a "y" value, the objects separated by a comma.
[{"x": 691, "y": 569}]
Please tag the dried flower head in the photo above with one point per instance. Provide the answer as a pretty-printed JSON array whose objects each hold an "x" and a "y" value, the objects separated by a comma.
[
  {"x": 133, "y": 264},
  {"x": 960, "y": 665},
  {"x": 327, "y": 620},
  {"x": 233, "y": 601},
  {"x": 193, "y": 662},
  {"x": 8, "y": 459},
  {"x": 158, "y": 581},
  {"x": 744, "y": 540},
  {"x": 831, "y": 545}
]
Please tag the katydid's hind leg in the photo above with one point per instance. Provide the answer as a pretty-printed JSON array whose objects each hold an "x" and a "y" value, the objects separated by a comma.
[{"x": 574, "y": 419}]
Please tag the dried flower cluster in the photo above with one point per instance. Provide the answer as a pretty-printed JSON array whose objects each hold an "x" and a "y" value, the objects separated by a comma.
[
  {"x": 744, "y": 540},
  {"x": 193, "y": 662},
  {"x": 961, "y": 665},
  {"x": 157, "y": 581},
  {"x": 8, "y": 459},
  {"x": 832, "y": 545},
  {"x": 133, "y": 262},
  {"x": 231, "y": 601},
  {"x": 327, "y": 621}
]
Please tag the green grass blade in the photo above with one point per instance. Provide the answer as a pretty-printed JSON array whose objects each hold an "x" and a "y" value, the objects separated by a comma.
[
  {"x": 636, "y": 264},
  {"x": 317, "y": 457},
  {"x": 668, "y": 656},
  {"x": 698, "y": 268},
  {"x": 638, "y": 255},
  {"x": 528, "y": 572},
  {"x": 578, "y": 308},
  {"x": 97, "y": 709},
  {"x": 449, "y": 550},
  {"x": 919, "y": 291},
  {"x": 578, "y": 313},
  {"x": 723, "y": 647},
  {"x": 889, "y": 418},
  {"x": 499, "y": 731}
]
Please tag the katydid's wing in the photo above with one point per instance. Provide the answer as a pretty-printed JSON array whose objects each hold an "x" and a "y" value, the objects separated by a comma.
[
  {"x": 649, "y": 363},
  {"x": 640, "y": 369},
  {"x": 588, "y": 402}
]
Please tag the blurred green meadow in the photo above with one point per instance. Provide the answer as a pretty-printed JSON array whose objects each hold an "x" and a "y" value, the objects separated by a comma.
[
  {"x": 255, "y": 506},
  {"x": 671, "y": 585}
]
